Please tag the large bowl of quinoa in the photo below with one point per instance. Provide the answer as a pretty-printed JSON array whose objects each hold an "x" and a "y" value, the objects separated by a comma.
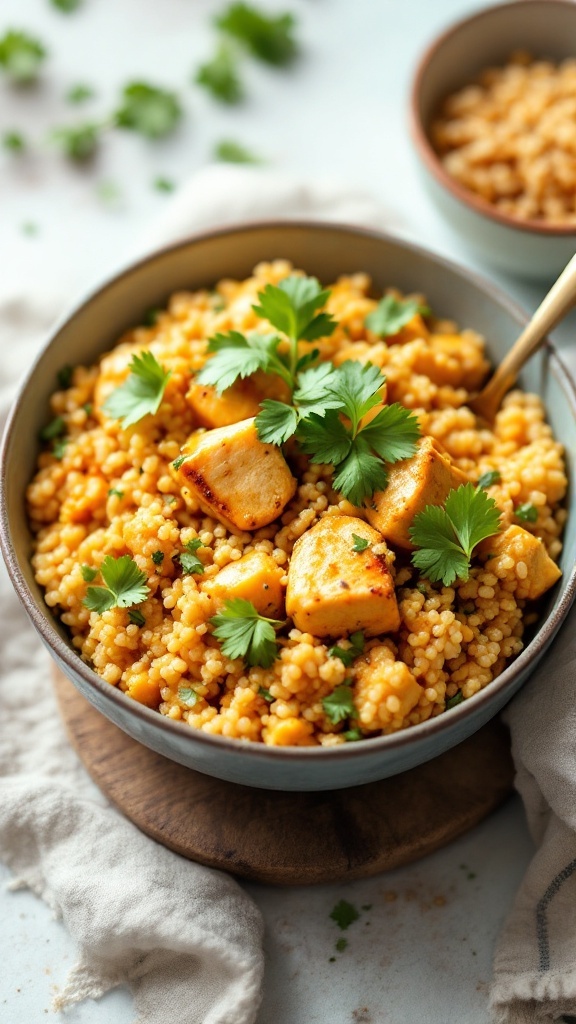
[{"x": 347, "y": 697}]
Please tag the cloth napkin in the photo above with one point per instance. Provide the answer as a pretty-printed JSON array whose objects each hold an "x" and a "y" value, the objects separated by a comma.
[{"x": 185, "y": 938}]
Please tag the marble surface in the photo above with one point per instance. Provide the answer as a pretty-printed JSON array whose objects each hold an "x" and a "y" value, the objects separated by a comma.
[{"x": 340, "y": 113}]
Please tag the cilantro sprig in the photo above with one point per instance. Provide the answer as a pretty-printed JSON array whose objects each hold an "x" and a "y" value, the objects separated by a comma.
[
  {"x": 391, "y": 315},
  {"x": 339, "y": 705},
  {"x": 124, "y": 585},
  {"x": 244, "y": 633},
  {"x": 446, "y": 537},
  {"x": 189, "y": 559},
  {"x": 348, "y": 654},
  {"x": 142, "y": 391}
]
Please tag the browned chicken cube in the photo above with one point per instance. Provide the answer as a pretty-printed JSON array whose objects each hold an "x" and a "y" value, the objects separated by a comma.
[
  {"x": 532, "y": 566},
  {"x": 255, "y": 577},
  {"x": 333, "y": 589},
  {"x": 425, "y": 479},
  {"x": 238, "y": 402},
  {"x": 242, "y": 482}
]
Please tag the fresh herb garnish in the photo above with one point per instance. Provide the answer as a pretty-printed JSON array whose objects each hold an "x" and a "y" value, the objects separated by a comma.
[
  {"x": 359, "y": 452},
  {"x": 339, "y": 704},
  {"x": 163, "y": 184},
  {"x": 150, "y": 317},
  {"x": 125, "y": 585},
  {"x": 220, "y": 76},
  {"x": 341, "y": 944},
  {"x": 262, "y": 692},
  {"x": 187, "y": 695},
  {"x": 13, "y": 141},
  {"x": 136, "y": 618},
  {"x": 277, "y": 421},
  {"x": 491, "y": 476},
  {"x": 79, "y": 141},
  {"x": 228, "y": 151},
  {"x": 189, "y": 560},
  {"x": 67, "y": 6},
  {"x": 359, "y": 543},
  {"x": 445, "y": 537},
  {"x": 391, "y": 315},
  {"x": 178, "y": 462},
  {"x": 30, "y": 228},
  {"x": 347, "y": 655},
  {"x": 141, "y": 393},
  {"x": 268, "y": 37},
  {"x": 158, "y": 557},
  {"x": 452, "y": 702},
  {"x": 352, "y": 735},
  {"x": 146, "y": 109},
  {"x": 89, "y": 573},
  {"x": 55, "y": 428},
  {"x": 21, "y": 56},
  {"x": 245, "y": 633},
  {"x": 59, "y": 447},
  {"x": 87, "y": 408},
  {"x": 527, "y": 513},
  {"x": 108, "y": 192},
  {"x": 115, "y": 493},
  {"x": 344, "y": 914},
  {"x": 64, "y": 376},
  {"x": 80, "y": 93}
]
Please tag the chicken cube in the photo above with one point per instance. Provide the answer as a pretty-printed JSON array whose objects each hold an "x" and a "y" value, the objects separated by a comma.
[
  {"x": 242, "y": 482},
  {"x": 255, "y": 577},
  {"x": 533, "y": 567},
  {"x": 236, "y": 403},
  {"x": 334, "y": 590},
  {"x": 425, "y": 479}
]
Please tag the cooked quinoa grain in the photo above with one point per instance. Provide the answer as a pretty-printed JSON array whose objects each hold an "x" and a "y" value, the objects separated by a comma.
[{"x": 114, "y": 492}]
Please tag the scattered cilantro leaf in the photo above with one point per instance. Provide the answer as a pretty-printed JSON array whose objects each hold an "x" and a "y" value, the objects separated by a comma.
[
  {"x": 391, "y": 315},
  {"x": 87, "y": 408},
  {"x": 262, "y": 692},
  {"x": 80, "y": 141},
  {"x": 246, "y": 634},
  {"x": 59, "y": 447},
  {"x": 66, "y": 6},
  {"x": 230, "y": 152},
  {"x": 150, "y": 317},
  {"x": 163, "y": 184},
  {"x": 141, "y": 393},
  {"x": 189, "y": 559},
  {"x": 79, "y": 93},
  {"x": 55, "y": 428},
  {"x": 339, "y": 704},
  {"x": 353, "y": 735},
  {"x": 125, "y": 585},
  {"x": 30, "y": 228},
  {"x": 238, "y": 355},
  {"x": 89, "y": 573},
  {"x": 445, "y": 537},
  {"x": 149, "y": 110},
  {"x": 187, "y": 695},
  {"x": 220, "y": 76},
  {"x": 64, "y": 377},
  {"x": 158, "y": 557},
  {"x": 13, "y": 141},
  {"x": 527, "y": 513},
  {"x": 344, "y": 914},
  {"x": 136, "y": 618},
  {"x": 21, "y": 56},
  {"x": 452, "y": 702},
  {"x": 341, "y": 944},
  {"x": 276, "y": 421},
  {"x": 359, "y": 543},
  {"x": 269, "y": 38},
  {"x": 491, "y": 476},
  {"x": 178, "y": 462},
  {"x": 115, "y": 493},
  {"x": 348, "y": 654}
]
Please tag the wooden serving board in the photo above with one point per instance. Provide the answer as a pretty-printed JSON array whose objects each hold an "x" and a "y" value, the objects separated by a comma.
[{"x": 292, "y": 838}]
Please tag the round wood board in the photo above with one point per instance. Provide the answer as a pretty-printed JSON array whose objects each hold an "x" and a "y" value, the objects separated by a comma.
[{"x": 292, "y": 838}]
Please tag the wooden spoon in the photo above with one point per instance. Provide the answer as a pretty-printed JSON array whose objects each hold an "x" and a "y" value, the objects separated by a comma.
[{"x": 554, "y": 306}]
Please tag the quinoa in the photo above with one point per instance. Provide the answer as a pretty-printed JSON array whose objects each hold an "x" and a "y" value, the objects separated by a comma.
[{"x": 110, "y": 491}]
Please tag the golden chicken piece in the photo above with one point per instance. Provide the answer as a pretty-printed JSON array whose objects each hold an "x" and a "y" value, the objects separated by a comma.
[
  {"x": 535, "y": 571},
  {"x": 334, "y": 589},
  {"x": 235, "y": 477},
  {"x": 425, "y": 479},
  {"x": 238, "y": 402},
  {"x": 255, "y": 577}
]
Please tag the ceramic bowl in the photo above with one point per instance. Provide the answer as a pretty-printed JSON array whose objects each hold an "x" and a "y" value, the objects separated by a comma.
[
  {"x": 544, "y": 28},
  {"x": 325, "y": 251}
]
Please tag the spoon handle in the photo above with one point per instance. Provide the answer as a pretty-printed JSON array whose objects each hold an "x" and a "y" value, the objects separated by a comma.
[{"x": 558, "y": 301}]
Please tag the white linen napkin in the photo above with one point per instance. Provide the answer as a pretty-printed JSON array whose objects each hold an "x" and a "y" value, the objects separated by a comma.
[{"x": 185, "y": 938}]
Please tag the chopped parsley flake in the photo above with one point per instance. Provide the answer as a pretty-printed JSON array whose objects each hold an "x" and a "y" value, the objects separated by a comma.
[
  {"x": 391, "y": 315},
  {"x": 13, "y": 141},
  {"x": 230, "y": 152},
  {"x": 344, "y": 914},
  {"x": 89, "y": 573},
  {"x": 339, "y": 704},
  {"x": 55, "y": 428},
  {"x": 452, "y": 702},
  {"x": 492, "y": 476},
  {"x": 187, "y": 695},
  {"x": 78, "y": 142},
  {"x": 527, "y": 513},
  {"x": 136, "y": 618},
  {"x": 220, "y": 76},
  {"x": 360, "y": 543},
  {"x": 348, "y": 654},
  {"x": 21, "y": 56},
  {"x": 189, "y": 560},
  {"x": 262, "y": 692},
  {"x": 268, "y": 38},
  {"x": 163, "y": 184},
  {"x": 115, "y": 493},
  {"x": 149, "y": 110},
  {"x": 79, "y": 93},
  {"x": 341, "y": 944},
  {"x": 158, "y": 557},
  {"x": 64, "y": 377}
]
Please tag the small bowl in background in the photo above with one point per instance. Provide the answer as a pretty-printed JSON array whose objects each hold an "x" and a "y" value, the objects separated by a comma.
[{"x": 546, "y": 29}]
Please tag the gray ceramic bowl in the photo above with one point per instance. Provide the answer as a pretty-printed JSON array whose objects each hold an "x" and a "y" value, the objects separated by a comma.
[
  {"x": 546, "y": 29},
  {"x": 325, "y": 251}
]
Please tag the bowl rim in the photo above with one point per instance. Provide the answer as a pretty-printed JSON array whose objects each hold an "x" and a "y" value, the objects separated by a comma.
[
  {"x": 428, "y": 154},
  {"x": 152, "y": 718}
]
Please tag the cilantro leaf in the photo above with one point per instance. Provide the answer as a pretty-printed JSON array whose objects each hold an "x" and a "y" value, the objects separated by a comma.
[
  {"x": 341, "y": 944},
  {"x": 339, "y": 704},
  {"x": 491, "y": 476},
  {"x": 136, "y": 618},
  {"x": 149, "y": 110},
  {"x": 360, "y": 474},
  {"x": 21, "y": 56},
  {"x": 80, "y": 141},
  {"x": 246, "y": 634},
  {"x": 391, "y": 315},
  {"x": 292, "y": 307},
  {"x": 163, "y": 184},
  {"x": 220, "y": 77},
  {"x": 232, "y": 152},
  {"x": 55, "y": 428},
  {"x": 445, "y": 537},
  {"x": 348, "y": 654},
  {"x": 268, "y": 38},
  {"x": 178, "y": 462},
  {"x": 66, "y": 6},
  {"x": 453, "y": 702},
  {"x": 89, "y": 573},
  {"x": 276, "y": 421},
  {"x": 324, "y": 438},
  {"x": 393, "y": 433},
  {"x": 114, "y": 492},
  {"x": 59, "y": 447},
  {"x": 64, "y": 376},
  {"x": 239, "y": 355},
  {"x": 359, "y": 543},
  {"x": 158, "y": 557},
  {"x": 125, "y": 585},
  {"x": 527, "y": 513},
  {"x": 141, "y": 393},
  {"x": 313, "y": 392},
  {"x": 189, "y": 560},
  {"x": 187, "y": 695},
  {"x": 80, "y": 93},
  {"x": 344, "y": 914},
  {"x": 356, "y": 385},
  {"x": 351, "y": 735},
  {"x": 262, "y": 692},
  {"x": 13, "y": 141}
]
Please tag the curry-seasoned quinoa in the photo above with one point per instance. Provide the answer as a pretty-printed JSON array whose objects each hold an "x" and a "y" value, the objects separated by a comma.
[{"x": 103, "y": 490}]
